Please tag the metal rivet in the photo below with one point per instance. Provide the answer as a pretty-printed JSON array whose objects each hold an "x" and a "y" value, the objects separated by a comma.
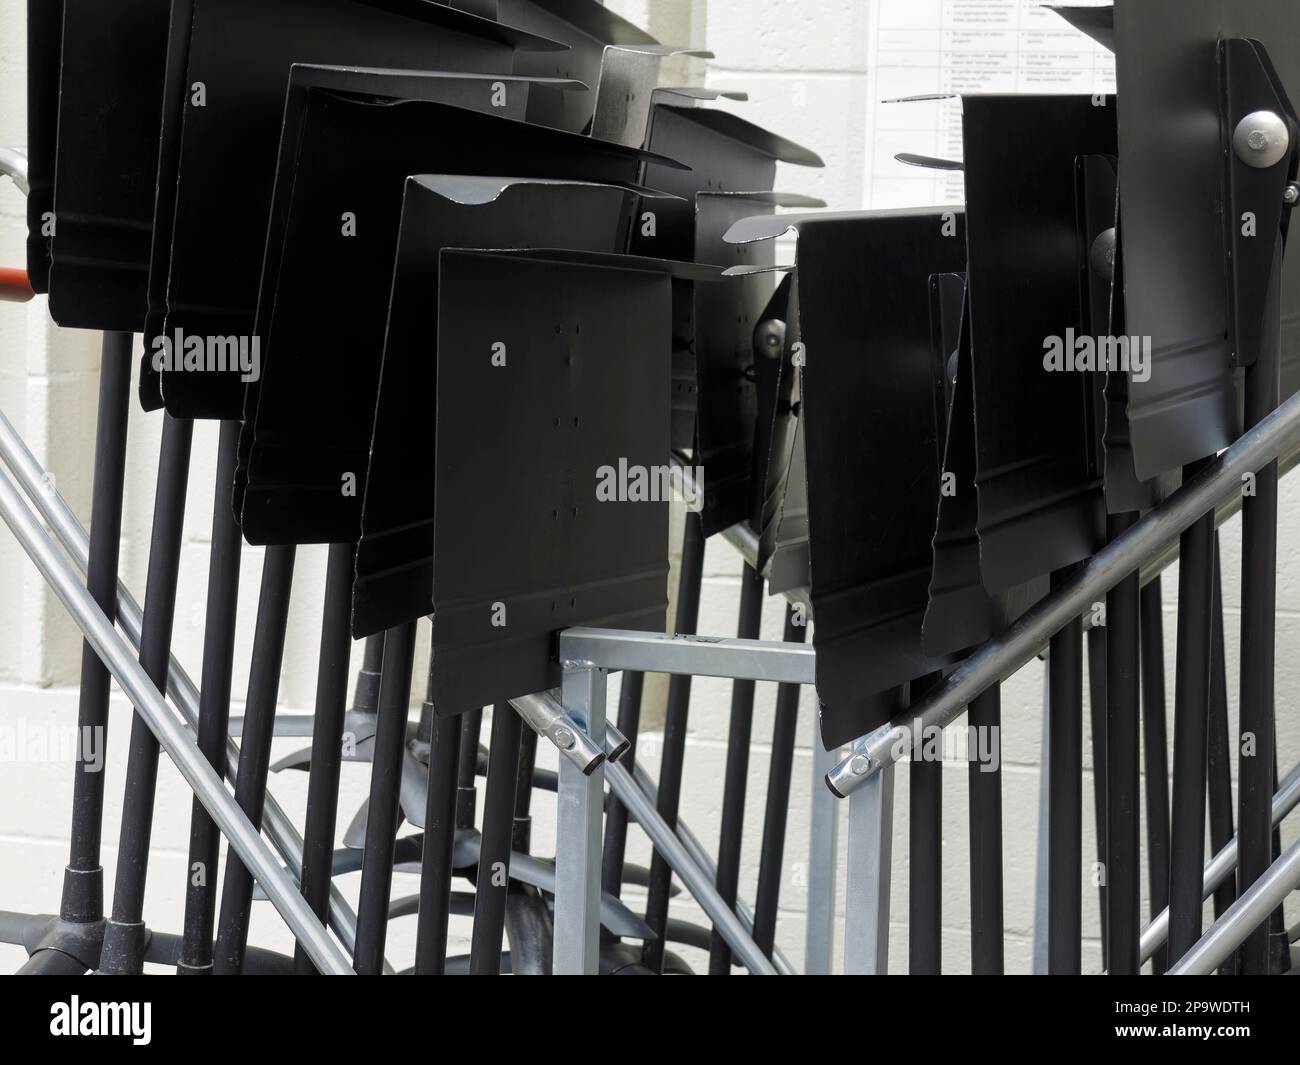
[
  {"x": 769, "y": 338},
  {"x": 1102, "y": 256},
  {"x": 1261, "y": 139}
]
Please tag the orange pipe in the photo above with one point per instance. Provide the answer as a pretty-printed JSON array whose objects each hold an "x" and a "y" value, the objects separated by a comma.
[{"x": 14, "y": 286}]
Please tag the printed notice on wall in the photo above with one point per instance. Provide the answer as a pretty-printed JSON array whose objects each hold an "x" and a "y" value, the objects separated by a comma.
[{"x": 928, "y": 47}]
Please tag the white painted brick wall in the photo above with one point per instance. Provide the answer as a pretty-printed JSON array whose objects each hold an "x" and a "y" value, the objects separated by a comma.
[{"x": 805, "y": 68}]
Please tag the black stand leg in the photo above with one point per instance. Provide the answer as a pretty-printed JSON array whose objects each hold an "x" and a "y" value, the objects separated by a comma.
[
  {"x": 522, "y": 834},
  {"x": 736, "y": 774},
  {"x": 1065, "y": 800},
  {"x": 255, "y": 749},
  {"x": 985, "y": 781},
  {"x": 467, "y": 769},
  {"x": 1095, "y": 641},
  {"x": 1219, "y": 757},
  {"x": 615, "y": 845},
  {"x": 925, "y": 846},
  {"x": 1255, "y": 775},
  {"x": 1123, "y": 770},
  {"x": 385, "y": 791},
  {"x": 777, "y": 808},
  {"x": 214, "y": 709},
  {"x": 1191, "y": 716},
  {"x": 439, "y": 839},
  {"x": 327, "y": 738},
  {"x": 492, "y": 886},
  {"x": 124, "y": 934},
  {"x": 1155, "y": 752},
  {"x": 670, "y": 771},
  {"x": 83, "y": 879}
]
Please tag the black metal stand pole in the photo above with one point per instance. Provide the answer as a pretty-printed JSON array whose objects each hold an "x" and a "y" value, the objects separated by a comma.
[
  {"x": 615, "y": 846},
  {"x": 439, "y": 840},
  {"x": 985, "y": 716},
  {"x": 1155, "y": 753},
  {"x": 1095, "y": 642},
  {"x": 736, "y": 774},
  {"x": 1279, "y": 936},
  {"x": 83, "y": 879},
  {"x": 528, "y": 926},
  {"x": 1065, "y": 799},
  {"x": 674, "y": 757},
  {"x": 255, "y": 748},
  {"x": 214, "y": 708},
  {"x": 492, "y": 885},
  {"x": 383, "y": 806},
  {"x": 925, "y": 849},
  {"x": 1219, "y": 755},
  {"x": 522, "y": 834},
  {"x": 1219, "y": 750},
  {"x": 327, "y": 738},
  {"x": 467, "y": 769},
  {"x": 365, "y": 697},
  {"x": 1191, "y": 716},
  {"x": 124, "y": 933},
  {"x": 1123, "y": 769},
  {"x": 1259, "y": 510},
  {"x": 776, "y": 812}
]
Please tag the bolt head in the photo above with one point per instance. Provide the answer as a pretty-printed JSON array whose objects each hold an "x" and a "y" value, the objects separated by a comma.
[
  {"x": 1292, "y": 195},
  {"x": 1261, "y": 139},
  {"x": 564, "y": 738},
  {"x": 1102, "y": 255},
  {"x": 769, "y": 338},
  {"x": 860, "y": 766}
]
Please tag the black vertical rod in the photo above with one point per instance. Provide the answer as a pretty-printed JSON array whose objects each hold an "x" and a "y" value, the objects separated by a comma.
[
  {"x": 439, "y": 840},
  {"x": 776, "y": 810},
  {"x": 675, "y": 725},
  {"x": 1279, "y": 935},
  {"x": 925, "y": 850},
  {"x": 521, "y": 841},
  {"x": 214, "y": 708},
  {"x": 255, "y": 748},
  {"x": 365, "y": 697},
  {"x": 1123, "y": 769},
  {"x": 83, "y": 879},
  {"x": 1219, "y": 750},
  {"x": 615, "y": 845},
  {"x": 1155, "y": 752},
  {"x": 124, "y": 932},
  {"x": 522, "y": 834},
  {"x": 985, "y": 781},
  {"x": 1191, "y": 716},
  {"x": 1218, "y": 762},
  {"x": 736, "y": 773},
  {"x": 467, "y": 769},
  {"x": 1095, "y": 641},
  {"x": 383, "y": 805},
  {"x": 1258, "y": 631},
  {"x": 492, "y": 884},
  {"x": 327, "y": 737},
  {"x": 1065, "y": 799}
]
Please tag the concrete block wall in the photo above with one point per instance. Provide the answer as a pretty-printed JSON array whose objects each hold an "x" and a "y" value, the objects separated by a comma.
[{"x": 805, "y": 67}]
